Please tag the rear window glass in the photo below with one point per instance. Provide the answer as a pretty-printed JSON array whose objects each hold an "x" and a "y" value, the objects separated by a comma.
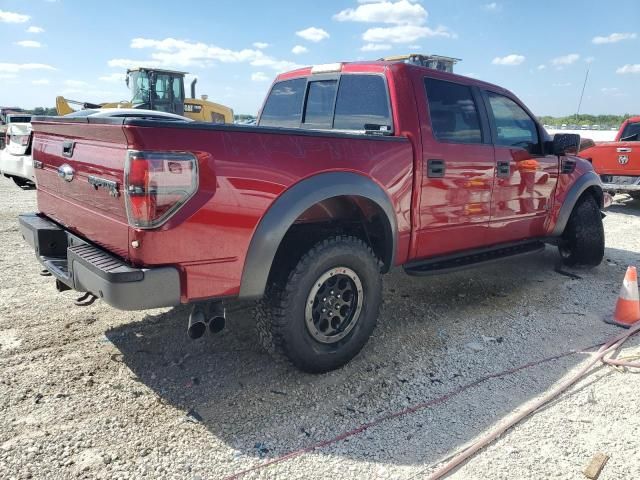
[
  {"x": 454, "y": 115},
  {"x": 631, "y": 132},
  {"x": 362, "y": 104},
  {"x": 320, "y": 100},
  {"x": 19, "y": 119},
  {"x": 284, "y": 105}
]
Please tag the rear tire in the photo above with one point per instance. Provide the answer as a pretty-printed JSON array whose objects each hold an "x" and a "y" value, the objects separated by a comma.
[
  {"x": 583, "y": 237},
  {"x": 322, "y": 315}
]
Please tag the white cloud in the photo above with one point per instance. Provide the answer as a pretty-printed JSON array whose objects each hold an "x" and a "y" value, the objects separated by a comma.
[
  {"x": 19, "y": 67},
  {"x": 259, "y": 77},
  {"x": 470, "y": 75},
  {"x": 614, "y": 38},
  {"x": 7, "y": 76},
  {"x": 402, "y": 12},
  {"x": 42, "y": 81},
  {"x": 566, "y": 84},
  {"x": 260, "y": 45},
  {"x": 542, "y": 67},
  {"x": 492, "y": 7},
  {"x": 565, "y": 60},
  {"x": 11, "y": 17},
  {"x": 629, "y": 68},
  {"x": 612, "y": 92},
  {"x": 113, "y": 78},
  {"x": 415, "y": 47},
  {"x": 313, "y": 34},
  {"x": 174, "y": 53},
  {"x": 75, "y": 83},
  {"x": 589, "y": 59},
  {"x": 509, "y": 60},
  {"x": 33, "y": 29},
  {"x": 29, "y": 44},
  {"x": 405, "y": 34},
  {"x": 375, "y": 47},
  {"x": 299, "y": 49}
]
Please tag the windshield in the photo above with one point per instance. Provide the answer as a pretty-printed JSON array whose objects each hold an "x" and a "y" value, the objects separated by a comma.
[
  {"x": 631, "y": 132},
  {"x": 140, "y": 88}
]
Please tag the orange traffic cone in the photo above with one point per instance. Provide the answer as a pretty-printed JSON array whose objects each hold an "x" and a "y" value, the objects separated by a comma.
[{"x": 628, "y": 307}]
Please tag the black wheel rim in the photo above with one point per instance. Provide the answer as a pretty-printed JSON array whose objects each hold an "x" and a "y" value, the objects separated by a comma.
[{"x": 334, "y": 305}]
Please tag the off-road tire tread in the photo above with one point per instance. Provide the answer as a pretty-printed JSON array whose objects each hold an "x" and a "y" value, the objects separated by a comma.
[
  {"x": 271, "y": 311},
  {"x": 584, "y": 234}
]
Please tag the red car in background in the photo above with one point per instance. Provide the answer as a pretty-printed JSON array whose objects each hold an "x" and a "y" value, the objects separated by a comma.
[{"x": 618, "y": 162}]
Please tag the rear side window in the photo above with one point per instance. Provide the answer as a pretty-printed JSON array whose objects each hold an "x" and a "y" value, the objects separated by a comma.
[
  {"x": 284, "y": 105},
  {"x": 362, "y": 104},
  {"x": 453, "y": 111},
  {"x": 514, "y": 127},
  {"x": 320, "y": 100}
]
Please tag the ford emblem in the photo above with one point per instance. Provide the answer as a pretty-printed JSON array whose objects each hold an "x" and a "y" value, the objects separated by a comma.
[{"x": 65, "y": 171}]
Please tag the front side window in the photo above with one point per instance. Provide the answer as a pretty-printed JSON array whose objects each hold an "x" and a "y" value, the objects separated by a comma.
[
  {"x": 631, "y": 132},
  {"x": 514, "y": 127},
  {"x": 320, "y": 100},
  {"x": 453, "y": 111},
  {"x": 362, "y": 104},
  {"x": 284, "y": 104}
]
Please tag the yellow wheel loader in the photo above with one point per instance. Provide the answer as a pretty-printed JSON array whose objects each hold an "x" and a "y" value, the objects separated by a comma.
[{"x": 161, "y": 90}]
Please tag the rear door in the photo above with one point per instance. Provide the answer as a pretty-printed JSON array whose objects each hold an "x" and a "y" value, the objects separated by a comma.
[
  {"x": 457, "y": 168},
  {"x": 525, "y": 177}
]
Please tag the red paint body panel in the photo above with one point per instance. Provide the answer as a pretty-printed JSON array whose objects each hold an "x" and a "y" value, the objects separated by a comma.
[
  {"x": 243, "y": 171},
  {"x": 605, "y": 157}
]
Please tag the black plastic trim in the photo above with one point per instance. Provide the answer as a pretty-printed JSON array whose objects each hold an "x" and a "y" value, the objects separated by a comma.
[
  {"x": 87, "y": 268},
  {"x": 290, "y": 205},
  {"x": 472, "y": 258},
  {"x": 223, "y": 127},
  {"x": 589, "y": 179}
]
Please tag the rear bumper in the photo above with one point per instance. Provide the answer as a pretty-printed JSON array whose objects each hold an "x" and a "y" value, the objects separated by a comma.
[
  {"x": 87, "y": 268},
  {"x": 16, "y": 165}
]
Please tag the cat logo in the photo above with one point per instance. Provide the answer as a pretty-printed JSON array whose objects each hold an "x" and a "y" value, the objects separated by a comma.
[
  {"x": 623, "y": 159},
  {"x": 192, "y": 108}
]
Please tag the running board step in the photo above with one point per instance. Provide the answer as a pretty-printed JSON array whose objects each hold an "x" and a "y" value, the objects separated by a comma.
[{"x": 461, "y": 261}]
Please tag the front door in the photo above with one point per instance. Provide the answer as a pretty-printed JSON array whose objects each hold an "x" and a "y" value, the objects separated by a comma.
[
  {"x": 457, "y": 169},
  {"x": 525, "y": 178}
]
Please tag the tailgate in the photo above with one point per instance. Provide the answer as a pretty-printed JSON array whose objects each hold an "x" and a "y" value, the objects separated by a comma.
[
  {"x": 616, "y": 158},
  {"x": 79, "y": 171}
]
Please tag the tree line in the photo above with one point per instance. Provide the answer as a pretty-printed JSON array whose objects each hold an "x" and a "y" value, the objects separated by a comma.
[{"x": 585, "y": 119}]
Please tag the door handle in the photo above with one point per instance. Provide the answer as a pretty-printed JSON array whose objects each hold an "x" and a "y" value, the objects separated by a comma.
[
  {"x": 504, "y": 169},
  {"x": 67, "y": 149},
  {"x": 435, "y": 168}
]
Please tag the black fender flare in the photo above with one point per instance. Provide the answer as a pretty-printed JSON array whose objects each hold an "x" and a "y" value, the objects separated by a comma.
[
  {"x": 588, "y": 180},
  {"x": 294, "y": 202}
]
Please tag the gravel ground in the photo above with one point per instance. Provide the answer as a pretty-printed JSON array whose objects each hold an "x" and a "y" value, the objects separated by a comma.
[{"x": 96, "y": 393}]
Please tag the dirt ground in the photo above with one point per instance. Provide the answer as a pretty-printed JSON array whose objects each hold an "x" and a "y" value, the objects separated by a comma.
[{"x": 92, "y": 392}]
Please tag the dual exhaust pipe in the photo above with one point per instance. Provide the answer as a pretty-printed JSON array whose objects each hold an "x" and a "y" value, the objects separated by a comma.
[{"x": 213, "y": 317}]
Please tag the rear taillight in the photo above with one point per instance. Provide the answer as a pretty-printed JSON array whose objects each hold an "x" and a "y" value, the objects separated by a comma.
[{"x": 157, "y": 184}]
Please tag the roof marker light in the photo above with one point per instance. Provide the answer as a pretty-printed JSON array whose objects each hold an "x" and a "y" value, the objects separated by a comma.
[{"x": 327, "y": 68}]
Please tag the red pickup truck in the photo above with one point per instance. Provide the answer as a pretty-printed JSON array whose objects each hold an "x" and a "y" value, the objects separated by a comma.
[
  {"x": 618, "y": 162},
  {"x": 353, "y": 169}
]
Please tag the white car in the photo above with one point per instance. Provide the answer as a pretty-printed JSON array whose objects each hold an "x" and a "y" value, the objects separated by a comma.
[{"x": 15, "y": 159}]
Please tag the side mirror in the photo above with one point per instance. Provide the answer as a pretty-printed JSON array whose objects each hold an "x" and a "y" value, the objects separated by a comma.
[{"x": 565, "y": 143}]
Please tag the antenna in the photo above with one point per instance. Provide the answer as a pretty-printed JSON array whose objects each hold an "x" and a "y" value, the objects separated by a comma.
[{"x": 584, "y": 85}]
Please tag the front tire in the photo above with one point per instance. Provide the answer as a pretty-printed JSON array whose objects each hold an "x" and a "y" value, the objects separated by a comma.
[
  {"x": 322, "y": 315},
  {"x": 583, "y": 238}
]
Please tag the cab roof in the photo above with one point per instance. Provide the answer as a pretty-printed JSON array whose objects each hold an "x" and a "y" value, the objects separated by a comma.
[
  {"x": 159, "y": 70},
  {"x": 381, "y": 66}
]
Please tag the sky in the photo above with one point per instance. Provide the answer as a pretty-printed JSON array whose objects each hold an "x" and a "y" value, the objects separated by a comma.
[{"x": 540, "y": 50}]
